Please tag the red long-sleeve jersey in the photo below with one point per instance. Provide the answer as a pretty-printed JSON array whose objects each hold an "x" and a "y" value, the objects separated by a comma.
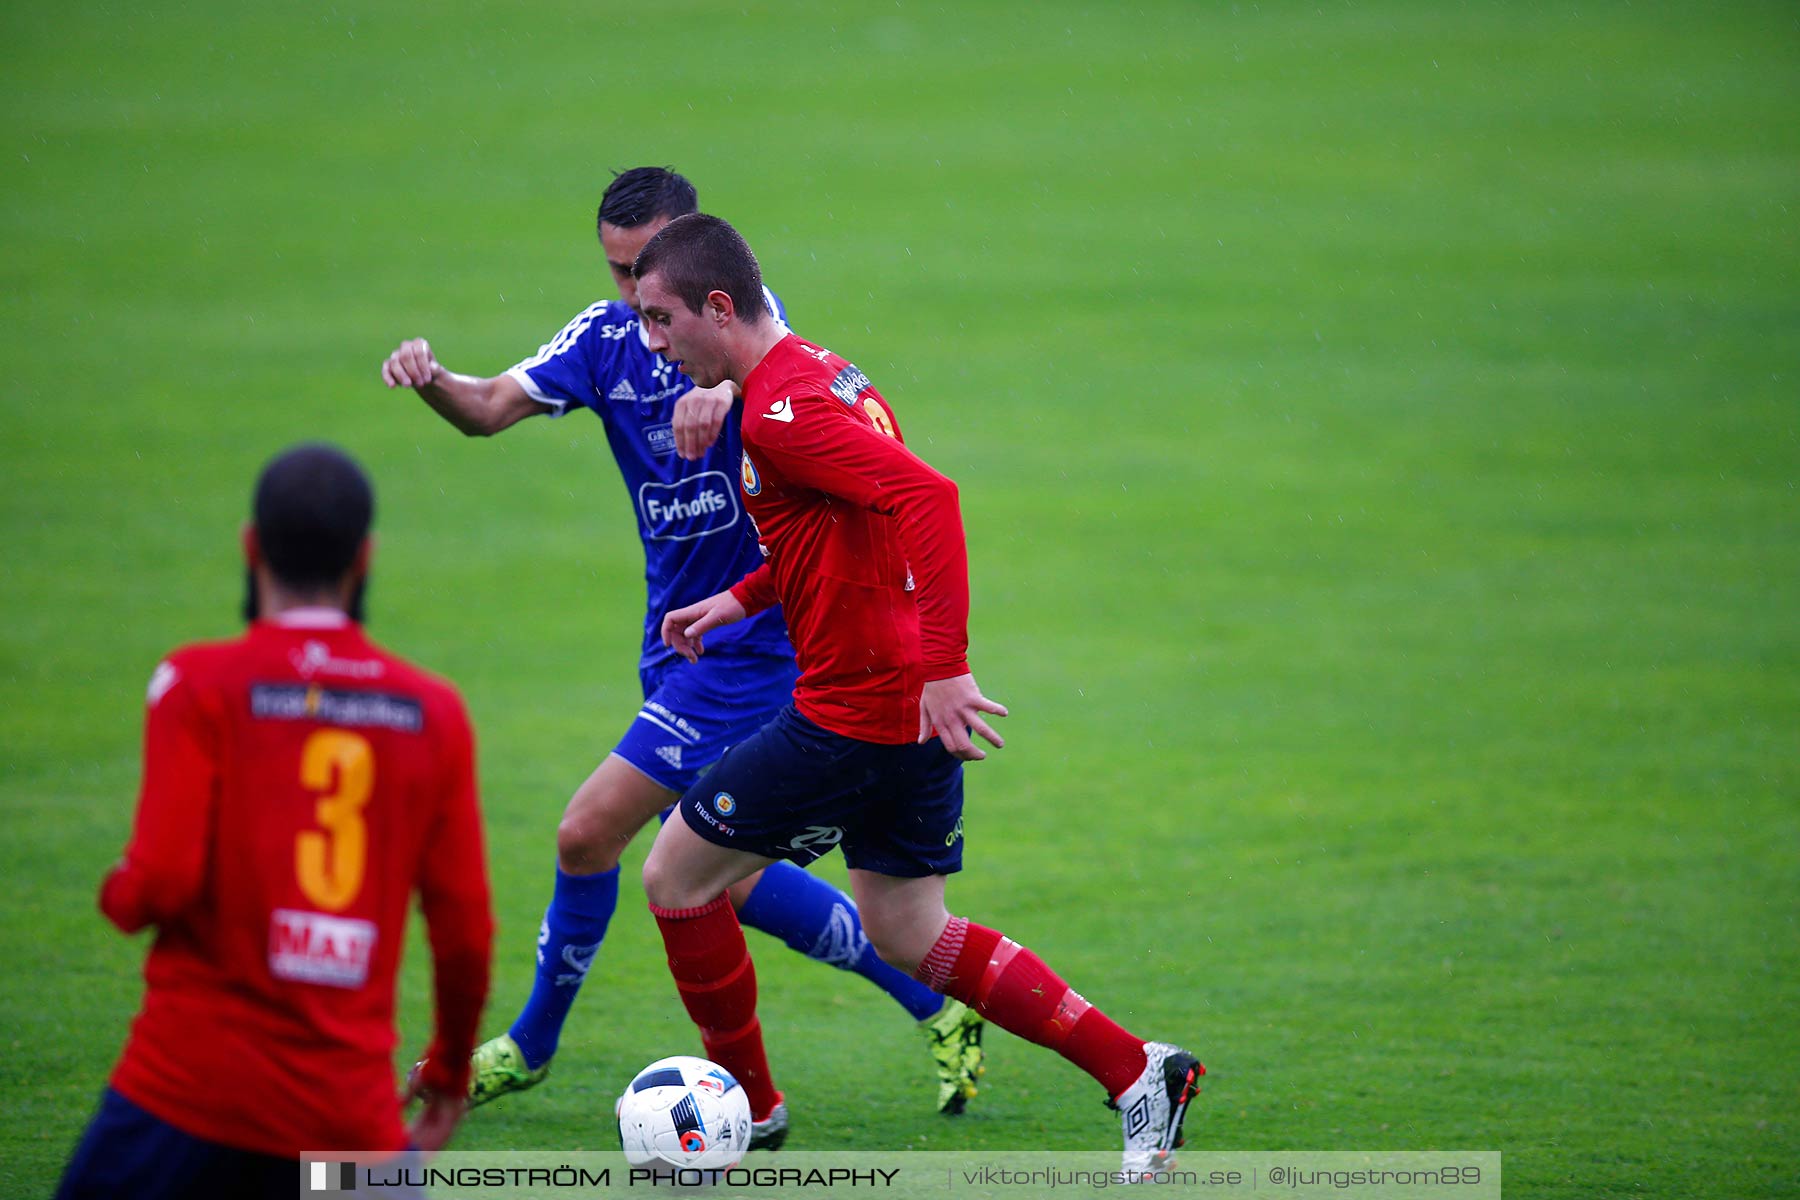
[
  {"x": 864, "y": 544},
  {"x": 299, "y": 785}
]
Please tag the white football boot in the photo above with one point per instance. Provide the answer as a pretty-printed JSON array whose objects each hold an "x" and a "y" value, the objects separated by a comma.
[{"x": 1152, "y": 1109}]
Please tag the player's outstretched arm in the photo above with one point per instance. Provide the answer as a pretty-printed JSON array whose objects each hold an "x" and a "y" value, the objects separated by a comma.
[
  {"x": 699, "y": 416},
  {"x": 476, "y": 406},
  {"x": 683, "y": 629},
  {"x": 952, "y": 708}
]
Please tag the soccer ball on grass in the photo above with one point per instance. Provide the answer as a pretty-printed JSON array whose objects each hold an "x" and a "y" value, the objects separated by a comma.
[{"x": 685, "y": 1112}]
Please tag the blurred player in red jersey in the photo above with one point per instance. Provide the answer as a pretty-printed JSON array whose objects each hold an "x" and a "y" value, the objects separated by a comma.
[
  {"x": 865, "y": 554},
  {"x": 300, "y": 784}
]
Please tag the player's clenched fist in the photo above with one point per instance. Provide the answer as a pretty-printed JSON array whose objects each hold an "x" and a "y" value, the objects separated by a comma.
[
  {"x": 699, "y": 416},
  {"x": 412, "y": 365}
]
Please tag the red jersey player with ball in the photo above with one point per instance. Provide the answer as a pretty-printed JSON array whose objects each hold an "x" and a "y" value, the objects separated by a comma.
[{"x": 865, "y": 554}]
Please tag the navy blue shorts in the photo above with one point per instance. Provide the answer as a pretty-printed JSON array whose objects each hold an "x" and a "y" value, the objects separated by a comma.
[
  {"x": 693, "y": 711},
  {"x": 127, "y": 1151},
  {"x": 793, "y": 790}
]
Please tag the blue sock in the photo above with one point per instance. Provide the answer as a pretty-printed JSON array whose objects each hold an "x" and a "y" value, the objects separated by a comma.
[
  {"x": 821, "y": 922},
  {"x": 574, "y": 926}
]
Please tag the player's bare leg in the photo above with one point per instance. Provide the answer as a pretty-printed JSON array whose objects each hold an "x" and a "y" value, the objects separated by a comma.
[
  {"x": 684, "y": 870},
  {"x": 604, "y": 814},
  {"x": 903, "y": 917},
  {"x": 1150, "y": 1083}
]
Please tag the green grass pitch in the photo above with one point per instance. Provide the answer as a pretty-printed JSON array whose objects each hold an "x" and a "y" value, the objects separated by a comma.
[{"x": 1377, "y": 431}]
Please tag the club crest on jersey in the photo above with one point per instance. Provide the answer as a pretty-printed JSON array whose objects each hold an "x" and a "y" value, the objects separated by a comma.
[
  {"x": 752, "y": 481},
  {"x": 848, "y": 383},
  {"x": 724, "y": 804},
  {"x": 688, "y": 508}
]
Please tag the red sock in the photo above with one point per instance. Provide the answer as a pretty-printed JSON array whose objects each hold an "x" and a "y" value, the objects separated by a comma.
[
  {"x": 1013, "y": 988},
  {"x": 717, "y": 982}
]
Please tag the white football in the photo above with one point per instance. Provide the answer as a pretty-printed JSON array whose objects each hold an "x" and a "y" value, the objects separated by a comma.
[{"x": 686, "y": 1112}]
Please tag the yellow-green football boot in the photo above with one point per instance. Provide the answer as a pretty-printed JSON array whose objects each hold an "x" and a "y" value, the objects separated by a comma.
[
  {"x": 498, "y": 1067},
  {"x": 955, "y": 1036}
]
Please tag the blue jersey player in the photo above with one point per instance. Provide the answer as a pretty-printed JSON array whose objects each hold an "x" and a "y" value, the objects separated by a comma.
[{"x": 678, "y": 450}]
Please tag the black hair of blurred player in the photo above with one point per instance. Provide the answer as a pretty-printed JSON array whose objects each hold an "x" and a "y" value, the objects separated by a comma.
[
  {"x": 700, "y": 254},
  {"x": 642, "y": 194},
  {"x": 308, "y": 538}
]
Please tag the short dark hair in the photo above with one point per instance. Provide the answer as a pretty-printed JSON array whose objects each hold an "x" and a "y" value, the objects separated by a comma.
[
  {"x": 312, "y": 510},
  {"x": 642, "y": 194},
  {"x": 698, "y": 254}
]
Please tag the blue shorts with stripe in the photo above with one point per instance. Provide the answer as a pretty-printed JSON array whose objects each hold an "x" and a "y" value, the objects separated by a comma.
[
  {"x": 794, "y": 790},
  {"x": 693, "y": 712}
]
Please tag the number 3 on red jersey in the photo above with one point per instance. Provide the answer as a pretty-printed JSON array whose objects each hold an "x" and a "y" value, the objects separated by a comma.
[{"x": 329, "y": 861}]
